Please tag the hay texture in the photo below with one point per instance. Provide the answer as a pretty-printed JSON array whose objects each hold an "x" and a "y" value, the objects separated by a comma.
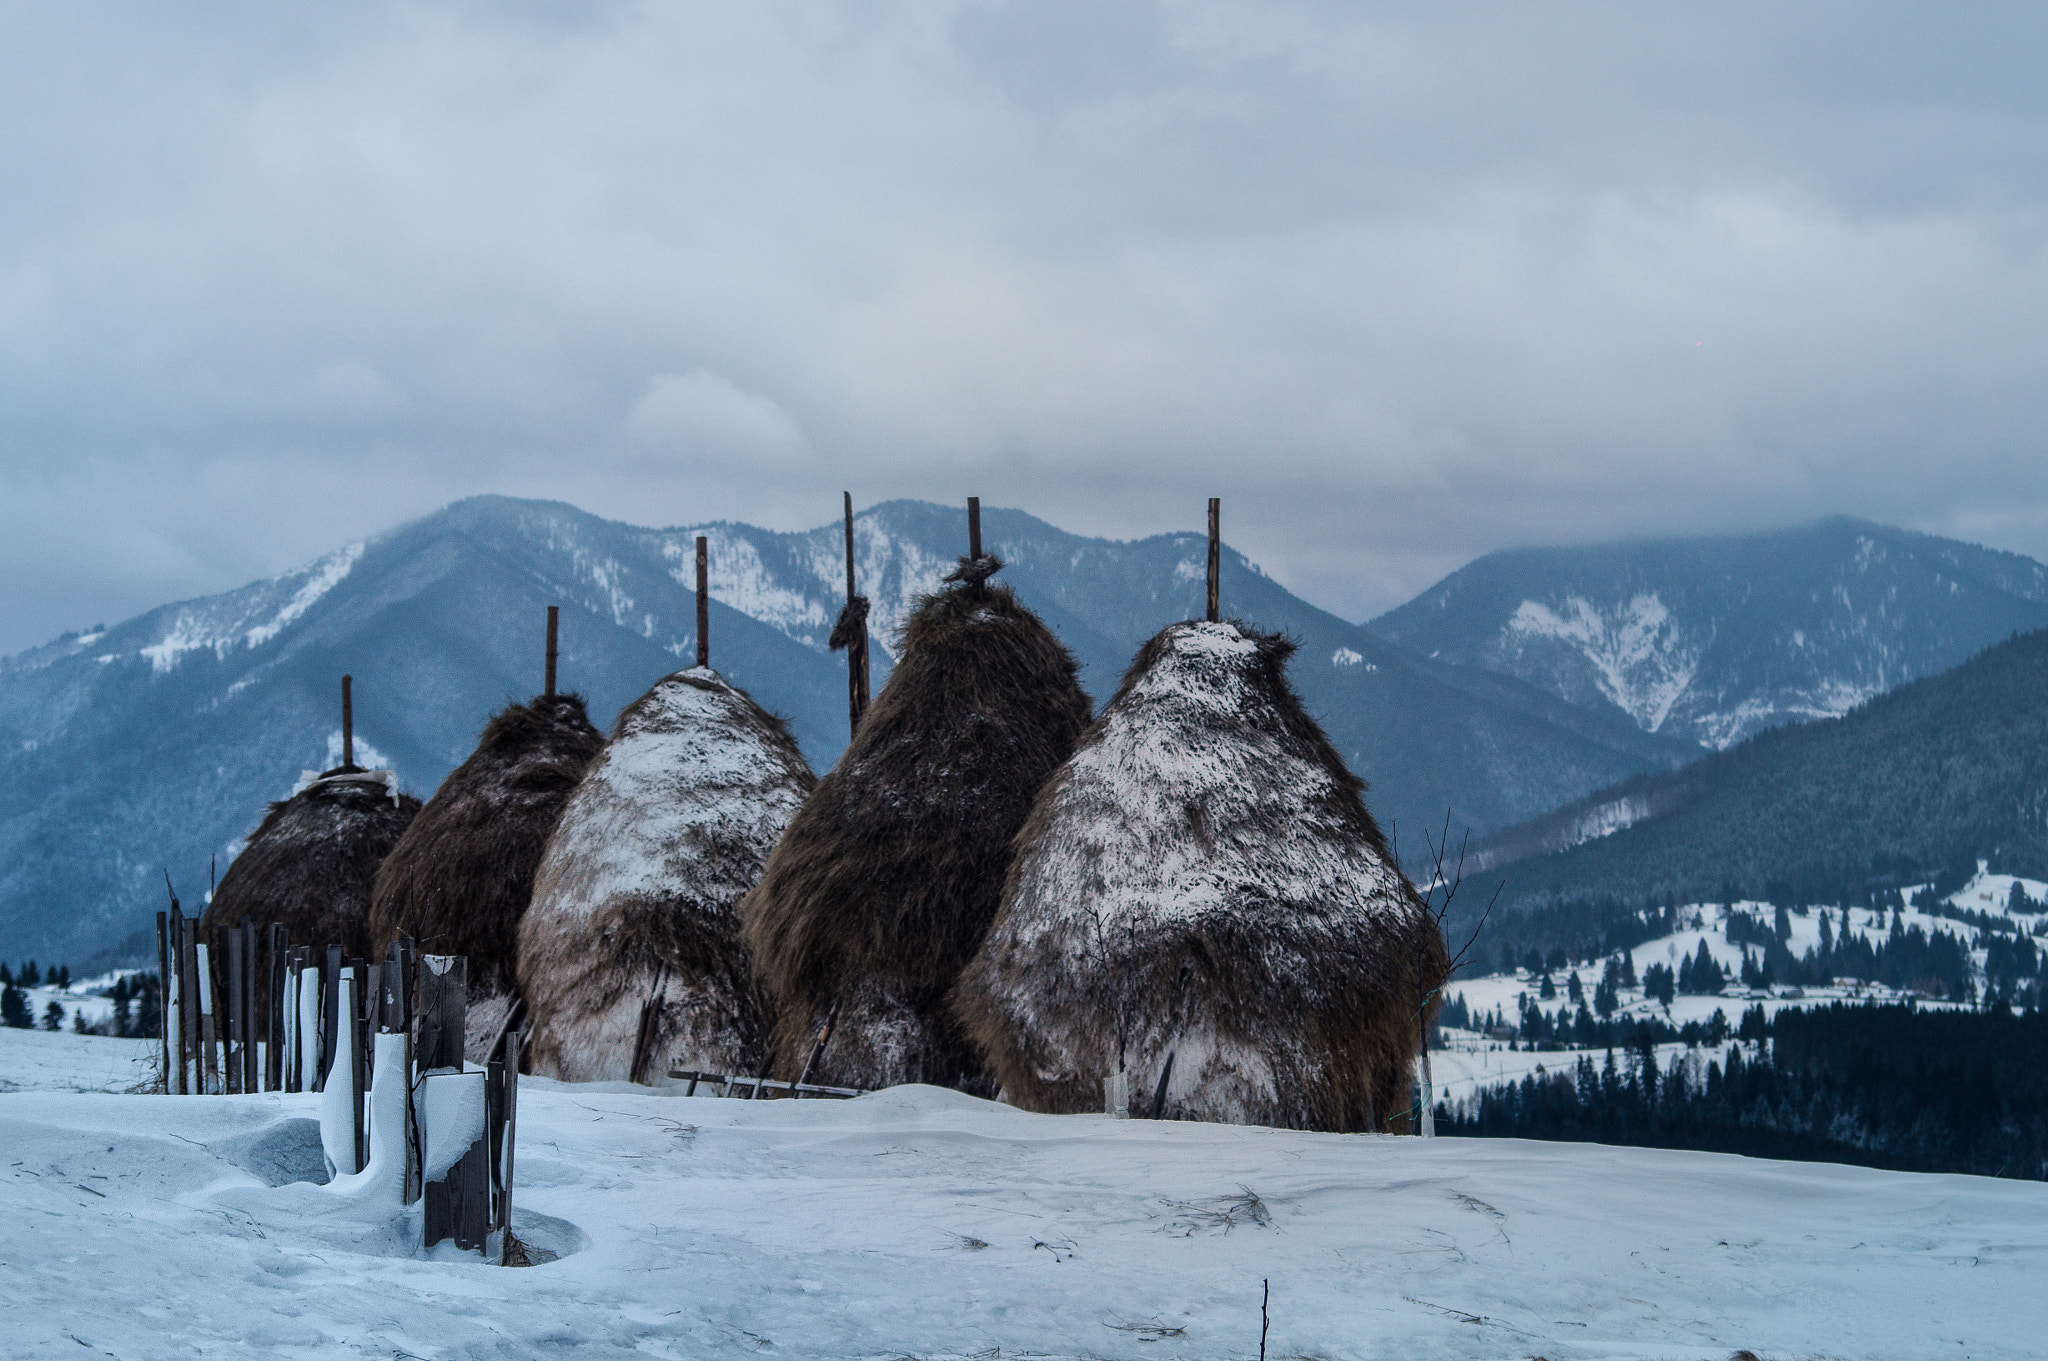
[
  {"x": 460, "y": 878},
  {"x": 312, "y": 860},
  {"x": 642, "y": 880},
  {"x": 888, "y": 877},
  {"x": 1202, "y": 880}
]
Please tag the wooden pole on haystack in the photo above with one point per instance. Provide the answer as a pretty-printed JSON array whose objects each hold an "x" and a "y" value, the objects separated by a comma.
[
  {"x": 554, "y": 633},
  {"x": 851, "y": 632},
  {"x": 974, "y": 526},
  {"x": 1215, "y": 557},
  {"x": 348, "y": 722},
  {"x": 703, "y": 601}
]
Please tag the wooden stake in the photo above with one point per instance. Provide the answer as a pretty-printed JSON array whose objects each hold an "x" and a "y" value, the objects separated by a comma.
[
  {"x": 650, "y": 1022},
  {"x": 817, "y": 1050},
  {"x": 348, "y": 722},
  {"x": 1215, "y": 556},
  {"x": 703, "y": 602},
  {"x": 554, "y": 627},
  {"x": 850, "y": 592},
  {"x": 973, "y": 526},
  {"x": 856, "y": 648}
]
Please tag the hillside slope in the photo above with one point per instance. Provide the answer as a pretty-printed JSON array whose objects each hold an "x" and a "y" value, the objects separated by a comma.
[
  {"x": 156, "y": 743},
  {"x": 1935, "y": 774},
  {"x": 1715, "y": 639}
]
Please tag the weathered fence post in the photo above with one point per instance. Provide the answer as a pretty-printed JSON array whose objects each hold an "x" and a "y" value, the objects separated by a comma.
[
  {"x": 231, "y": 1075},
  {"x": 508, "y": 1143},
  {"x": 274, "y": 1018},
  {"x": 458, "y": 1202},
  {"x": 209, "y": 1057},
  {"x": 174, "y": 1005},
  {"x": 252, "y": 1071},
  {"x": 330, "y": 1024},
  {"x": 163, "y": 968}
]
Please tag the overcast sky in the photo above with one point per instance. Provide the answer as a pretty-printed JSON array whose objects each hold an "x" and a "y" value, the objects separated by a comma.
[{"x": 1402, "y": 284}]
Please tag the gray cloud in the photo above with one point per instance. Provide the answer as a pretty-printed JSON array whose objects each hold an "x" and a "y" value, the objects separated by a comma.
[{"x": 1404, "y": 285}]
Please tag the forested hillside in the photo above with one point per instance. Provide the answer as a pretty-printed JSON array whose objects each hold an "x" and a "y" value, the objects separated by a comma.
[{"x": 1917, "y": 784}]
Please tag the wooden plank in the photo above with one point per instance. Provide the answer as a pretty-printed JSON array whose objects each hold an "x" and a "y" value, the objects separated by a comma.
[
  {"x": 364, "y": 998},
  {"x": 274, "y": 1028},
  {"x": 330, "y": 1031},
  {"x": 189, "y": 1004},
  {"x": 163, "y": 982},
  {"x": 252, "y": 1072},
  {"x": 231, "y": 1070},
  {"x": 392, "y": 1018},
  {"x": 174, "y": 1008},
  {"x": 443, "y": 1011},
  {"x": 209, "y": 1038},
  {"x": 494, "y": 1132},
  {"x": 510, "y": 1143}
]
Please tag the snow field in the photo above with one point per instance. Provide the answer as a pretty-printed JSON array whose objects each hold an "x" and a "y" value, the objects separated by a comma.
[{"x": 925, "y": 1223}]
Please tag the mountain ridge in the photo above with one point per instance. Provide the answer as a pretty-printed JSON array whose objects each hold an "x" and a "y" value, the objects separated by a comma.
[
  {"x": 1712, "y": 639},
  {"x": 157, "y": 741}
]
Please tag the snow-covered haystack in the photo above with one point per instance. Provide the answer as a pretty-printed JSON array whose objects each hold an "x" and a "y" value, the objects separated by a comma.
[
  {"x": 886, "y": 881},
  {"x": 641, "y": 883},
  {"x": 460, "y": 878},
  {"x": 311, "y": 862},
  {"x": 1201, "y": 882}
]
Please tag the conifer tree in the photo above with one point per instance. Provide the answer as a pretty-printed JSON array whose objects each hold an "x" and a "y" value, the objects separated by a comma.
[
  {"x": 53, "y": 1016},
  {"x": 14, "y": 1008}
]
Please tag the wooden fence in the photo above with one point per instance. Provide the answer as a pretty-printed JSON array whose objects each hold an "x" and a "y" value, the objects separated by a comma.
[{"x": 249, "y": 1011}]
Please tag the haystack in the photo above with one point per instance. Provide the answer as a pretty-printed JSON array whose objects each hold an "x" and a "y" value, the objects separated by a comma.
[
  {"x": 1201, "y": 885},
  {"x": 460, "y": 878},
  {"x": 312, "y": 860},
  {"x": 637, "y": 896},
  {"x": 889, "y": 875}
]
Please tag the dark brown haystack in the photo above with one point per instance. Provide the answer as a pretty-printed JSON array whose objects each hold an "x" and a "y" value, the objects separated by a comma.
[
  {"x": 1201, "y": 883},
  {"x": 639, "y": 890},
  {"x": 312, "y": 861},
  {"x": 887, "y": 878},
  {"x": 460, "y": 878}
]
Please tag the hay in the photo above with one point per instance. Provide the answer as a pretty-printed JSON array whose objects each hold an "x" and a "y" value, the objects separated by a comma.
[
  {"x": 642, "y": 878},
  {"x": 460, "y": 878},
  {"x": 311, "y": 861},
  {"x": 886, "y": 880},
  {"x": 1202, "y": 881}
]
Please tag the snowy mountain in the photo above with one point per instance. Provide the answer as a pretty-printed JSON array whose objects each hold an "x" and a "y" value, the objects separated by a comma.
[
  {"x": 155, "y": 743},
  {"x": 1714, "y": 639}
]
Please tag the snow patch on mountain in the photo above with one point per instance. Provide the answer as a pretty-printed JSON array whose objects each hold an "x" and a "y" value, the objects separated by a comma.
[
  {"x": 322, "y": 577},
  {"x": 1641, "y": 660},
  {"x": 738, "y": 578}
]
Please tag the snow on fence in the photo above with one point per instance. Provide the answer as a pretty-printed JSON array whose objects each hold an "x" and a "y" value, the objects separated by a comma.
[{"x": 381, "y": 1043}]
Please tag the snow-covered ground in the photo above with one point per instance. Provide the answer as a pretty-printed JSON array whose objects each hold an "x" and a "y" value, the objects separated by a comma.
[
  {"x": 46, "y": 1061},
  {"x": 919, "y": 1222}
]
